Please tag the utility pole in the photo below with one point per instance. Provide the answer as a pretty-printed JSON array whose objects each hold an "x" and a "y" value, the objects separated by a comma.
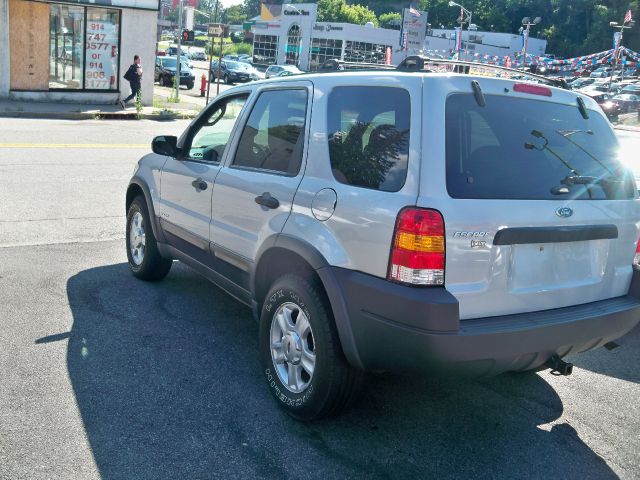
[
  {"x": 177, "y": 79},
  {"x": 618, "y": 44},
  {"x": 462, "y": 21},
  {"x": 526, "y": 22},
  {"x": 211, "y": 40}
]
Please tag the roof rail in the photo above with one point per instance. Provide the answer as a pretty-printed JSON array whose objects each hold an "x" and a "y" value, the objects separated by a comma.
[{"x": 418, "y": 63}]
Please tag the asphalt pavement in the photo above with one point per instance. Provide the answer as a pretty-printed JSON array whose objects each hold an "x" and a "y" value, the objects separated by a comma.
[{"x": 106, "y": 376}]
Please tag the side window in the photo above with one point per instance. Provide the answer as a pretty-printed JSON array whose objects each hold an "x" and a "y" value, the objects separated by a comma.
[
  {"x": 369, "y": 140},
  {"x": 273, "y": 136},
  {"x": 211, "y": 138}
]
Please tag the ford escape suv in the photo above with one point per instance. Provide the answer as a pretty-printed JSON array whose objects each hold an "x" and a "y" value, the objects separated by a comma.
[{"x": 426, "y": 218}]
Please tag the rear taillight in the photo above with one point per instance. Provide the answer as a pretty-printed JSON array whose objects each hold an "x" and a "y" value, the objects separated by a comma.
[
  {"x": 636, "y": 259},
  {"x": 417, "y": 253}
]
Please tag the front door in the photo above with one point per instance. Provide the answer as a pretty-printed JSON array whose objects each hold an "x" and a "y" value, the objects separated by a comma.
[
  {"x": 187, "y": 182},
  {"x": 254, "y": 192}
]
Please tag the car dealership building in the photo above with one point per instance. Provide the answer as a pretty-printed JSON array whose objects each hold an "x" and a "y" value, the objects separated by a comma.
[
  {"x": 75, "y": 51},
  {"x": 295, "y": 38}
]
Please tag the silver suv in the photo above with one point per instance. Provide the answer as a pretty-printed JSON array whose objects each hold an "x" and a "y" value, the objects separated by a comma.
[{"x": 411, "y": 219}]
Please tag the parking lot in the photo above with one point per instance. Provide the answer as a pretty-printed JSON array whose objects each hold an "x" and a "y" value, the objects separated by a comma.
[{"x": 105, "y": 376}]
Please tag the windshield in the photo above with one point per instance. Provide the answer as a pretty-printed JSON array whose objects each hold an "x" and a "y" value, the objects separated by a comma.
[
  {"x": 234, "y": 65},
  {"x": 516, "y": 148},
  {"x": 172, "y": 62}
]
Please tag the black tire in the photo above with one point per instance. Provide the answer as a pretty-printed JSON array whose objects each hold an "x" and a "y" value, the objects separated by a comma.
[
  {"x": 225, "y": 79},
  {"x": 189, "y": 86},
  {"x": 153, "y": 266},
  {"x": 334, "y": 385}
]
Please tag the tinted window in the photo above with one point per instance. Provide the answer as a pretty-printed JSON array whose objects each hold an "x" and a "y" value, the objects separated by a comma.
[
  {"x": 516, "y": 148},
  {"x": 273, "y": 137},
  {"x": 211, "y": 136},
  {"x": 369, "y": 136}
]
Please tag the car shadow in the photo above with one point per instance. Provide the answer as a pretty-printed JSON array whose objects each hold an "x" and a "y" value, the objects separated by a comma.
[
  {"x": 620, "y": 359},
  {"x": 167, "y": 381}
]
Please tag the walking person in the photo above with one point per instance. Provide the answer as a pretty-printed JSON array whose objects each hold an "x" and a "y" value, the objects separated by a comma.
[{"x": 134, "y": 76}]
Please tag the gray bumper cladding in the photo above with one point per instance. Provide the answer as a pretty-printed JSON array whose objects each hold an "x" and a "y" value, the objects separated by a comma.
[{"x": 399, "y": 328}]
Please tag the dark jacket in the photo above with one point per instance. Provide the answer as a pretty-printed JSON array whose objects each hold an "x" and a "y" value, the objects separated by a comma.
[{"x": 132, "y": 74}]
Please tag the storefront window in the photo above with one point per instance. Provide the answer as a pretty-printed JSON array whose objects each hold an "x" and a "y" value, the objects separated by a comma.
[
  {"x": 83, "y": 56},
  {"x": 323, "y": 49},
  {"x": 102, "y": 49},
  {"x": 265, "y": 49},
  {"x": 66, "y": 59},
  {"x": 365, "y": 52},
  {"x": 294, "y": 37}
]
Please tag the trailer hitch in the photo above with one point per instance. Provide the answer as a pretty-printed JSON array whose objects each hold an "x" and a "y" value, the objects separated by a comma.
[{"x": 559, "y": 366}]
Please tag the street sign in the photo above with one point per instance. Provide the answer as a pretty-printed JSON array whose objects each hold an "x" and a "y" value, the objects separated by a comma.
[{"x": 215, "y": 29}]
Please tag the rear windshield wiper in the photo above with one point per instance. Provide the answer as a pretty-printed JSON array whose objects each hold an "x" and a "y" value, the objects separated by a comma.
[
  {"x": 566, "y": 134},
  {"x": 531, "y": 146}
]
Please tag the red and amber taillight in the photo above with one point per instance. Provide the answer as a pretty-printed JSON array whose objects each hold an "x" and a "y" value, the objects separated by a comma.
[
  {"x": 636, "y": 259},
  {"x": 418, "y": 250}
]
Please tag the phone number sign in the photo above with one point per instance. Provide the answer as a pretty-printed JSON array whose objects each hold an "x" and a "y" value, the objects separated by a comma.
[{"x": 101, "y": 70}]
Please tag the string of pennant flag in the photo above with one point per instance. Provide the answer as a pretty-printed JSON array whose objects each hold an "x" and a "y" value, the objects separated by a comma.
[{"x": 625, "y": 57}]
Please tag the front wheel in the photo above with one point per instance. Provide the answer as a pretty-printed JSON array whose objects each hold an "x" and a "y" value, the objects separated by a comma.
[
  {"x": 302, "y": 359},
  {"x": 144, "y": 258}
]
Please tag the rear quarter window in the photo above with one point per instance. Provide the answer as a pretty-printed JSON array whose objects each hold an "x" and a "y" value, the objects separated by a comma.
[
  {"x": 369, "y": 136},
  {"x": 515, "y": 148}
]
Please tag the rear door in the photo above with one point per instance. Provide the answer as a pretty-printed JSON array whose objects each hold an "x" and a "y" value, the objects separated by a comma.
[
  {"x": 539, "y": 212},
  {"x": 254, "y": 192}
]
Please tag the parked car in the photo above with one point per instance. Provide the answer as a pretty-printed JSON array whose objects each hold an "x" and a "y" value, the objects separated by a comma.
[
  {"x": 633, "y": 88},
  {"x": 232, "y": 71},
  {"x": 409, "y": 221},
  {"x": 582, "y": 82},
  {"x": 173, "y": 52},
  {"x": 601, "y": 72},
  {"x": 608, "y": 106},
  {"x": 627, "y": 102},
  {"x": 276, "y": 70},
  {"x": 165, "y": 72},
  {"x": 198, "y": 55}
]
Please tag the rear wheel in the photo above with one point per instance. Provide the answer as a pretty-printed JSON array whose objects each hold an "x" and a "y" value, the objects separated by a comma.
[
  {"x": 302, "y": 359},
  {"x": 144, "y": 258}
]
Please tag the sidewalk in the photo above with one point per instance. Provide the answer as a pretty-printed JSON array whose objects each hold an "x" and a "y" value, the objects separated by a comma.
[{"x": 162, "y": 110}]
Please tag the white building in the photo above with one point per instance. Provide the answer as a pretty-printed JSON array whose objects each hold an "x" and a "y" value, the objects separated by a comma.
[
  {"x": 483, "y": 43},
  {"x": 75, "y": 51},
  {"x": 296, "y": 38}
]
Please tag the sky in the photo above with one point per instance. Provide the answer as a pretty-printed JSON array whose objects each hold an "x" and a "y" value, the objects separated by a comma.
[{"x": 228, "y": 3}]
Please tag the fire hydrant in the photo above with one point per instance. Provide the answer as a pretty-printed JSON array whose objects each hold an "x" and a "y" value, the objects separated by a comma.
[{"x": 203, "y": 85}]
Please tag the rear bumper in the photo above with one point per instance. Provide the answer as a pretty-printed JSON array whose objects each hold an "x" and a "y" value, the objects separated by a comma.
[{"x": 398, "y": 328}]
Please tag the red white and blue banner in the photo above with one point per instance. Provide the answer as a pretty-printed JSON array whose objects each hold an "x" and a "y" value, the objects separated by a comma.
[{"x": 628, "y": 57}]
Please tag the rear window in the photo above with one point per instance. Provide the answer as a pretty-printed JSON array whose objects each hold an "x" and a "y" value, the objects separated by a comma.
[
  {"x": 516, "y": 148},
  {"x": 369, "y": 136}
]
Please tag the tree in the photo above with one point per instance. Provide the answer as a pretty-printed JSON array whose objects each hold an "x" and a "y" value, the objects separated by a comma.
[
  {"x": 235, "y": 14},
  {"x": 339, "y": 11},
  {"x": 251, "y": 8},
  {"x": 390, "y": 20}
]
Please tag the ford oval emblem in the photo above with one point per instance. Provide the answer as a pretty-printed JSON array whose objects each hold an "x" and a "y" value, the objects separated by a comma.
[{"x": 564, "y": 212}]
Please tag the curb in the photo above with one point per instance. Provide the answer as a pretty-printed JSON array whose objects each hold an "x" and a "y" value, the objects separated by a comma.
[
  {"x": 96, "y": 116},
  {"x": 626, "y": 128}
]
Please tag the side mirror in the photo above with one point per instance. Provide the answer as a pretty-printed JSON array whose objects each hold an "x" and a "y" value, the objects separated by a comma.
[{"x": 165, "y": 145}]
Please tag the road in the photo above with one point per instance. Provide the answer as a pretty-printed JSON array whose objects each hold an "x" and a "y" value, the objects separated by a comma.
[{"x": 105, "y": 376}]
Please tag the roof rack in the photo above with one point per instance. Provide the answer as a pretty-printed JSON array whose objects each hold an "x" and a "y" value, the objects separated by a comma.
[{"x": 418, "y": 63}]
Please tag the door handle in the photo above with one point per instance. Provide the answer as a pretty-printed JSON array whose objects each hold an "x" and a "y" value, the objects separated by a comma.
[
  {"x": 199, "y": 184},
  {"x": 266, "y": 200}
]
